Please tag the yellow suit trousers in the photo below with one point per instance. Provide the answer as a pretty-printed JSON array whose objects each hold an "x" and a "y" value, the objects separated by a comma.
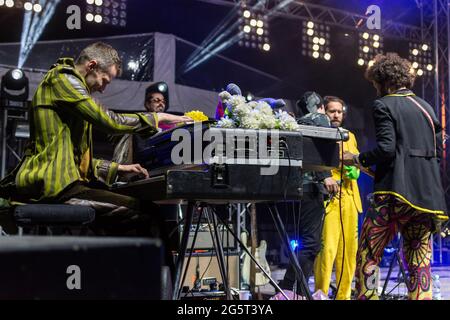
[{"x": 333, "y": 251}]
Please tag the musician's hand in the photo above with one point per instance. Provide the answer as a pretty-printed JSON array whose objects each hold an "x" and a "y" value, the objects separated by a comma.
[
  {"x": 173, "y": 119},
  {"x": 133, "y": 168},
  {"x": 348, "y": 159},
  {"x": 331, "y": 185}
]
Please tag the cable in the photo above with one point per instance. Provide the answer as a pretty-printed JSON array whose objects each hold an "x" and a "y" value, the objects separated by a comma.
[{"x": 340, "y": 215}]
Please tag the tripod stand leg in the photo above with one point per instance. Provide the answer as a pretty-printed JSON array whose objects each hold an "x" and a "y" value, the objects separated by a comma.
[
  {"x": 388, "y": 276},
  {"x": 243, "y": 247},
  {"x": 293, "y": 259},
  {"x": 219, "y": 252},
  {"x": 182, "y": 253}
]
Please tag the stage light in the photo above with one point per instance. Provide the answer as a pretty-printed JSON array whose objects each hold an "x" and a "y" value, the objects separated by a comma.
[
  {"x": 14, "y": 86},
  {"x": 112, "y": 12},
  {"x": 371, "y": 63},
  {"x": 255, "y": 29},
  {"x": 2, "y": 2},
  {"x": 294, "y": 244},
  {"x": 266, "y": 47},
  {"x": 421, "y": 58},
  {"x": 9, "y": 3},
  {"x": 369, "y": 46},
  {"x": 28, "y": 6},
  {"x": 37, "y": 7},
  {"x": 89, "y": 17},
  {"x": 162, "y": 87},
  {"x": 316, "y": 40},
  {"x": 249, "y": 96}
]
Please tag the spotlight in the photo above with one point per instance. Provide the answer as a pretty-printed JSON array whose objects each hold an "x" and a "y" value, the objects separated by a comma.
[
  {"x": 28, "y": 6},
  {"x": 37, "y": 7},
  {"x": 98, "y": 18},
  {"x": 254, "y": 28},
  {"x": 14, "y": 86},
  {"x": 90, "y": 1},
  {"x": 98, "y": 2},
  {"x": 266, "y": 47},
  {"x": 316, "y": 39},
  {"x": 371, "y": 62},
  {"x": 2, "y": 2},
  {"x": 133, "y": 65},
  {"x": 9, "y": 3},
  {"x": 369, "y": 46},
  {"x": 162, "y": 87},
  {"x": 249, "y": 97},
  {"x": 421, "y": 58},
  {"x": 89, "y": 17}
]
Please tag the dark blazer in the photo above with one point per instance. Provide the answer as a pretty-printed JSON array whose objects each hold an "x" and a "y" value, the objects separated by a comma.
[{"x": 406, "y": 165}]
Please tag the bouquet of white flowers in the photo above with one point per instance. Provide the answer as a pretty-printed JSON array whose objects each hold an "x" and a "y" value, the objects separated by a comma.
[{"x": 253, "y": 115}]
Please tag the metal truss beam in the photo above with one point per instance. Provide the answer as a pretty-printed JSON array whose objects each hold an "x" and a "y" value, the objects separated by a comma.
[{"x": 296, "y": 9}]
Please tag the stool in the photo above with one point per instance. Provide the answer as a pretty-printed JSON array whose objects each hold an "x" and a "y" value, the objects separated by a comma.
[{"x": 42, "y": 218}]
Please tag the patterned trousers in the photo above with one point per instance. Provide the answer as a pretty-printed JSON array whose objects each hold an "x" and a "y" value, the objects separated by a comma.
[{"x": 384, "y": 220}]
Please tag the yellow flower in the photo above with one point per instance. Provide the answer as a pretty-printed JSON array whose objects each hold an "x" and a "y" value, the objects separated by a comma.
[{"x": 196, "y": 115}]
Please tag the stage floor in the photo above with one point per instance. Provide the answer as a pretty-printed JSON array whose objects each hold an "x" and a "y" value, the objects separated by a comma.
[{"x": 396, "y": 291}]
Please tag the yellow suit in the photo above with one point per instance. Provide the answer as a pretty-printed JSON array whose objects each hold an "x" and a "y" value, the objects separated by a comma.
[{"x": 332, "y": 248}]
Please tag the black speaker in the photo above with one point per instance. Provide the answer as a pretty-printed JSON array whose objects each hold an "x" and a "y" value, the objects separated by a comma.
[{"x": 80, "y": 268}]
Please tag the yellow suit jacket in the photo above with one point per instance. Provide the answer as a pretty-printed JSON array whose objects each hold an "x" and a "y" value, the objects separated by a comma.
[{"x": 349, "y": 187}]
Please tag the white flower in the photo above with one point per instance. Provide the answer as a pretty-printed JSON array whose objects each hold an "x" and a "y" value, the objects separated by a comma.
[
  {"x": 226, "y": 123},
  {"x": 236, "y": 100},
  {"x": 242, "y": 110},
  {"x": 286, "y": 121},
  {"x": 264, "y": 108}
]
